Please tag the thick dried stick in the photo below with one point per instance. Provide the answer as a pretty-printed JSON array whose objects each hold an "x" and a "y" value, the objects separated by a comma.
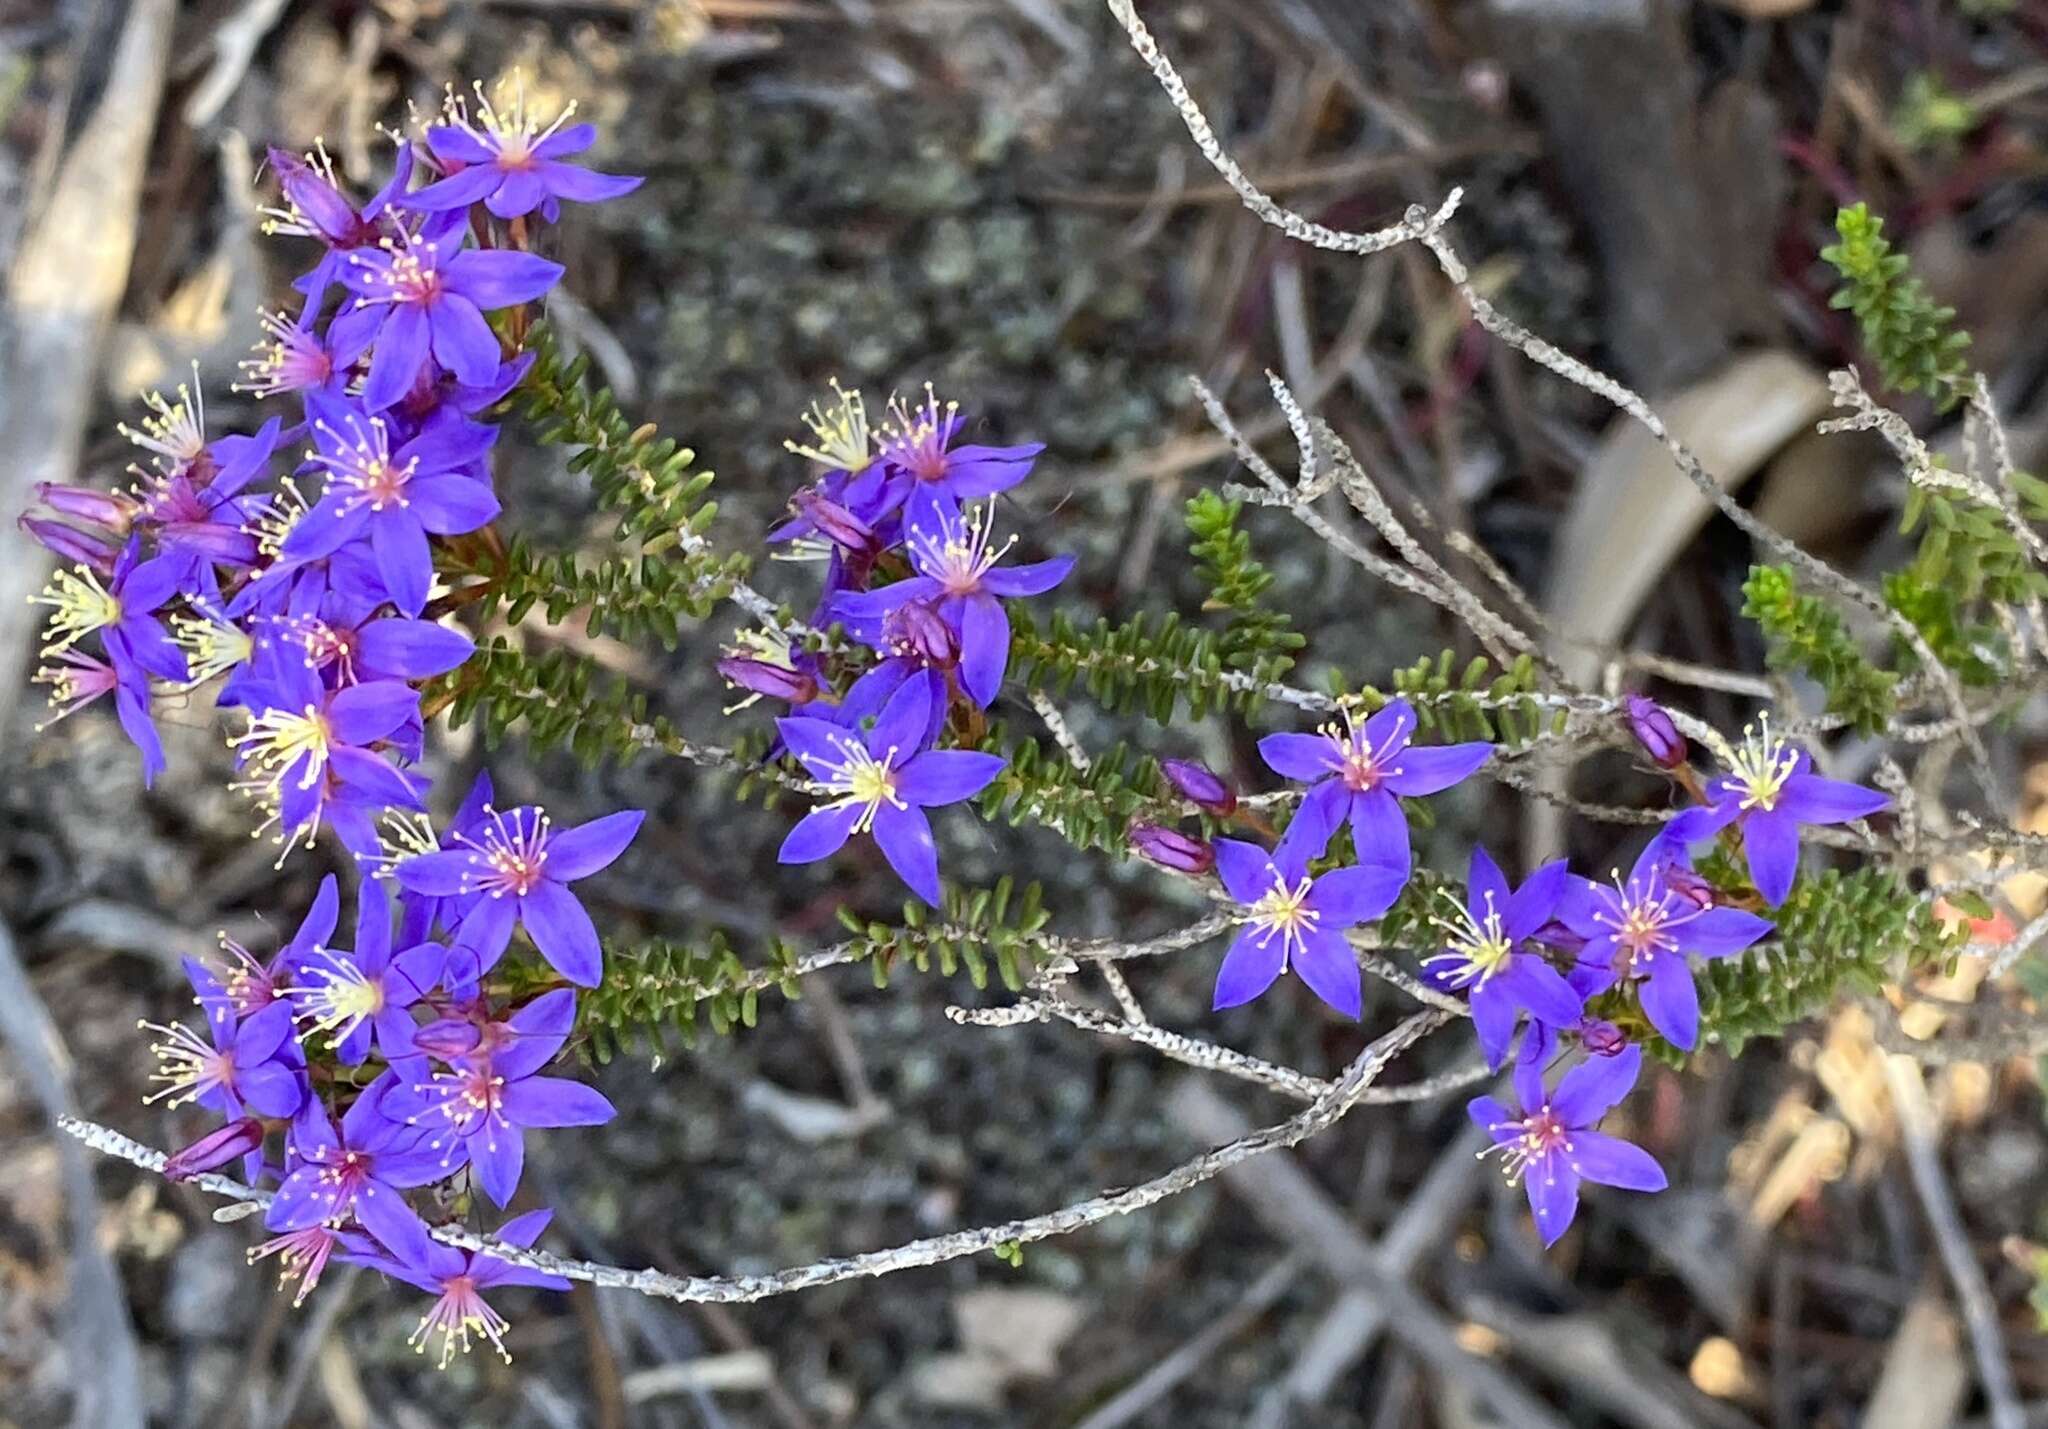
[{"x": 1980, "y": 1312}]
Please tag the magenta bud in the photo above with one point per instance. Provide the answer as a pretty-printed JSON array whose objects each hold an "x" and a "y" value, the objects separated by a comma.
[
  {"x": 763, "y": 677},
  {"x": 1655, "y": 732},
  {"x": 449, "y": 1038},
  {"x": 916, "y": 629},
  {"x": 1602, "y": 1039},
  {"x": 224, "y": 545},
  {"x": 1170, "y": 848},
  {"x": 1688, "y": 885},
  {"x": 1200, "y": 786},
  {"x": 109, "y": 509},
  {"x": 837, "y": 524},
  {"x": 216, "y": 1149},
  {"x": 73, "y": 544}
]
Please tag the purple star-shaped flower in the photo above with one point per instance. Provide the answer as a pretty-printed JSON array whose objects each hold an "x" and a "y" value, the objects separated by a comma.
[
  {"x": 434, "y": 294},
  {"x": 457, "y": 1280},
  {"x": 1768, "y": 792},
  {"x": 363, "y": 1170},
  {"x": 881, "y": 783},
  {"x": 478, "y": 1108},
  {"x": 251, "y": 1063},
  {"x": 1296, "y": 922},
  {"x": 1358, "y": 770},
  {"x": 1641, "y": 931},
  {"x": 315, "y": 207},
  {"x": 929, "y": 476},
  {"x": 1488, "y": 955},
  {"x": 957, "y": 574},
  {"x": 512, "y": 163},
  {"x": 366, "y": 647},
  {"x": 307, "y": 748},
  {"x": 1551, "y": 1146},
  {"x": 522, "y": 866},
  {"x": 395, "y": 498},
  {"x": 247, "y": 984},
  {"x": 345, "y": 995}
]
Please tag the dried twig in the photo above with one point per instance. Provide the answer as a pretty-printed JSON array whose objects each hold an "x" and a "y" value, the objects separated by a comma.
[
  {"x": 1980, "y": 1312},
  {"x": 1327, "y": 1109}
]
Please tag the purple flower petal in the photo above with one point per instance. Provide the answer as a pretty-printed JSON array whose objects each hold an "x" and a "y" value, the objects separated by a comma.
[
  {"x": 1349, "y": 896},
  {"x": 555, "y": 1101},
  {"x": 905, "y": 838},
  {"x": 1610, "y": 1161},
  {"x": 1670, "y": 1000},
  {"x": 306, "y": 1198},
  {"x": 537, "y": 1032},
  {"x": 1536, "y": 901},
  {"x": 1248, "y": 969},
  {"x": 439, "y": 875},
  {"x": 402, "y": 346},
  {"x": 1813, "y": 800},
  {"x": 946, "y": 776},
  {"x": 1326, "y": 963},
  {"x": 563, "y": 932},
  {"x": 1427, "y": 769},
  {"x": 586, "y": 185},
  {"x": 1494, "y": 1015},
  {"x": 446, "y": 142},
  {"x": 405, "y": 561},
  {"x": 1553, "y": 1197},
  {"x": 366, "y": 713},
  {"x": 818, "y": 743},
  {"x": 1596, "y": 1086},
  {"x": 1492, "y": 1118},
  {"x": 498, "y": 1155},
  {"x": 1534, "y": 984},
  {"x": 412, "y": 649},
  {"x": 500, "y": 278},
  {"x": 451, "y": 504},
  {"x": 462, "y": 341},
  {"x": 1771, "y": 839},
  {"x": 1718, "y": 932},
  {"x": 1486, "y": 887},
  {"x": 386, "y": 1216},
  {"x": 901, "y": 726},
  {"x": 1246, "y": 870},
  {"x": 271, "y": 1089},
  {"x": 1032, "y": 578},
  {"x": 1379, "y": 830},
  {"x": 819, "y": 834},
  {"x": 521, "y": 192},
  {"x": 984, "y": 647},
  {"x": 581, "y": 851},
  {"x": 1304, "y": 757},
  {"x": 1308, "y": 832},
  {"x": 457, "y": 191},
  {"x": 1388, "y": 732}
]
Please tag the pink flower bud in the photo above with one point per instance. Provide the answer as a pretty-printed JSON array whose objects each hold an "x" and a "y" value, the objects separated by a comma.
[
  {"x": 1655, "y": 732},
  {"x": 763, "y": 677},
  {"x": 449, "y": 1038},
  {"x": 108, "y": 509},
  {"x": 1200, "y": 786},
  {"x": 216, "y": 1149},
  {"x": 1602, "y": 1039},
  {"x": 73, "y": 544},
  {"x": 1169, "y": 848}
]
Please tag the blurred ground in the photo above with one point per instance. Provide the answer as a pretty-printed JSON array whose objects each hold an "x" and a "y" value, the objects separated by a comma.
[{"x": 990, "y": 194}]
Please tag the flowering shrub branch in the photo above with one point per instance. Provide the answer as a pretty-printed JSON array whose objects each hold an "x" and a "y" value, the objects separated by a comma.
[{"x": 334, "y": 612}]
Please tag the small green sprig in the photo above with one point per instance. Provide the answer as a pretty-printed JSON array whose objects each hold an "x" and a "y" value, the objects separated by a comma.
[
  {"x": 1806, "y": 634},
  {"x": 1911, "y": 336}
]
